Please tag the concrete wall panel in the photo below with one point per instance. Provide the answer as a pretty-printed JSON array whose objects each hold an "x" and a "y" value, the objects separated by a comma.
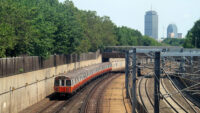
[
  {"x": 118, "y": 64},
  {"x": 5, "y": 103}
]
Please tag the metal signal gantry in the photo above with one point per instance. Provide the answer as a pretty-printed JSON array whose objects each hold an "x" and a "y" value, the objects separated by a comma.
[{"x": 130, "y": 78}]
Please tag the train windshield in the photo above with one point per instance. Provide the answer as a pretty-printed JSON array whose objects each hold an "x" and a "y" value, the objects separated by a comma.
[
  {"x": 56, "y": 83},
  {"x": 68, "y": 82}
]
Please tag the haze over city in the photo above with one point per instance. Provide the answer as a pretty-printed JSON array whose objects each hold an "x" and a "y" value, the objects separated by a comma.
[{"x": 131, "y": 12}]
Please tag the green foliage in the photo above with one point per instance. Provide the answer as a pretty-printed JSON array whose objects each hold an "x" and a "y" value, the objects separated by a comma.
[
  {"x": 148, "y": 41},
  {"x": 173, "y": 41},
  {"x": 193, "y": 37},
  {"x": 130, "y": 37},
  {"x": 45, "y": 27},
  {"x": 7, "y": 39},
  {"x": 127, "y": 36},
  {"x": 21, "y": 70}
]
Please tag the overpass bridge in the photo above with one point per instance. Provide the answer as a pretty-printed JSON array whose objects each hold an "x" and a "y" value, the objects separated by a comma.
[{"x": 147, "y": 51}]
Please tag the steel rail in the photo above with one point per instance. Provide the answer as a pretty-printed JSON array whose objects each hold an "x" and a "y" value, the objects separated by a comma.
[
  {"x": 179, "y": 91},
  {"x": 85, "y": 106},
  {"x": 172, "y": 99},
  {"x": 147, "y": 93},
  {"x": 141, "y": 95}
]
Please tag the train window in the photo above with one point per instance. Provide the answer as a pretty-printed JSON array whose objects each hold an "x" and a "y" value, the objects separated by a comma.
[
  {"x": 62, "y": 82},
  {"x": 56, "y": 82},
  {"x": 68, "y": 82}
]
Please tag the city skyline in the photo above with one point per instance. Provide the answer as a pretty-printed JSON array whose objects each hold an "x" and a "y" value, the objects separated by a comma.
[{"x": 130, "y": 13}]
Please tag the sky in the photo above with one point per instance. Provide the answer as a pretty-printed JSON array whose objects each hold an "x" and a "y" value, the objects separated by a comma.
[{"x": 130, "y": 13}]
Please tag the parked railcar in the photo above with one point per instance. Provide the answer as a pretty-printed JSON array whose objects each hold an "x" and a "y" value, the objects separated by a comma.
[{"x": 72, "y": 81}]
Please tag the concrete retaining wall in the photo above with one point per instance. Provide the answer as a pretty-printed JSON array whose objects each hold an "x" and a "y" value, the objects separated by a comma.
[
  {"x": 118, "y": 64},
  {"x": 23, "y": 90}
]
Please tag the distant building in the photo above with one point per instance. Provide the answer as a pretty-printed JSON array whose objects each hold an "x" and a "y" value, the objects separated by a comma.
[
  {"x": 172, "y": 31},
  {"x": 180, "y": 35},
  {"x": 151, "y": 24}
]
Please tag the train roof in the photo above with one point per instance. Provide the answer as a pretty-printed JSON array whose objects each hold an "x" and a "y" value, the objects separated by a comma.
[{"x": 75, "y": 73}]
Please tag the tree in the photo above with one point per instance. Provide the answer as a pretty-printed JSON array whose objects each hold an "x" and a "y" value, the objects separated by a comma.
[
  {"x": 7, "y": 38},
  {"x": 128, "y": 36},
  {"x": 173, "y": 41},
  {"x": 45, "y": 27},
  {"x": 193, "y": 37}
]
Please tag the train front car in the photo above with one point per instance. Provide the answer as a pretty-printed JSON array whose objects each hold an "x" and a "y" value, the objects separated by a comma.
[
  {"x": 68, "y": 83},
  {"x": 62, "y": 84}
]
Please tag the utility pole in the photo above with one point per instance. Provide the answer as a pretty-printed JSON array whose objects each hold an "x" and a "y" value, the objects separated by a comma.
[
  {"x": 157, "y": 82},
  {"x": 195, "y": 42},
  {"x": 134, "y": 81},
  {"x": 191, "y": 64},
  {"x": 182, "y": 65},
  {"x": 127, "y": 72}
]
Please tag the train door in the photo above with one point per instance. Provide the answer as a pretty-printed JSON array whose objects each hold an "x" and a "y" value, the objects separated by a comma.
[{"x": 62, "y": 82}]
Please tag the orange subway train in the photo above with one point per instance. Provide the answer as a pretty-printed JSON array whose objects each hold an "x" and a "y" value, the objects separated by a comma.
[{"x": 68, "y": 83}]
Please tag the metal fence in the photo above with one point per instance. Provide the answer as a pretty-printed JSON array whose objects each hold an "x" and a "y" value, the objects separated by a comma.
[{"x": 17, "y": 65}]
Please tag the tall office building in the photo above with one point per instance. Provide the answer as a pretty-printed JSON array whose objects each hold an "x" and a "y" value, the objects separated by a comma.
[
  {"x": 151, "y": 24},
  {"x": 172, "y": 31}
]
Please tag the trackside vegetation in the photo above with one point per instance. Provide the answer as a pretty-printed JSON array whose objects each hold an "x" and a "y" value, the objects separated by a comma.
[
  {"x": 193, "y": 36},
  {"x": 46, "y": 27},
  {"x": 173, "y": 41}
]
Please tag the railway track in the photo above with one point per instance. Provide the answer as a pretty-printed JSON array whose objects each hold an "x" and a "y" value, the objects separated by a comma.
[
  {"x": 165, "y": 103},
  {"x": 92, "y": 101},
  {"x": 179, "y": 100},
  {"x": 140, "y": 95},
  {"x": 179, "y": 107},
  {"x": 148, "y": 96},
  {"x": 188, "y": 106},
  {"x": 172, "y": 103}
]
